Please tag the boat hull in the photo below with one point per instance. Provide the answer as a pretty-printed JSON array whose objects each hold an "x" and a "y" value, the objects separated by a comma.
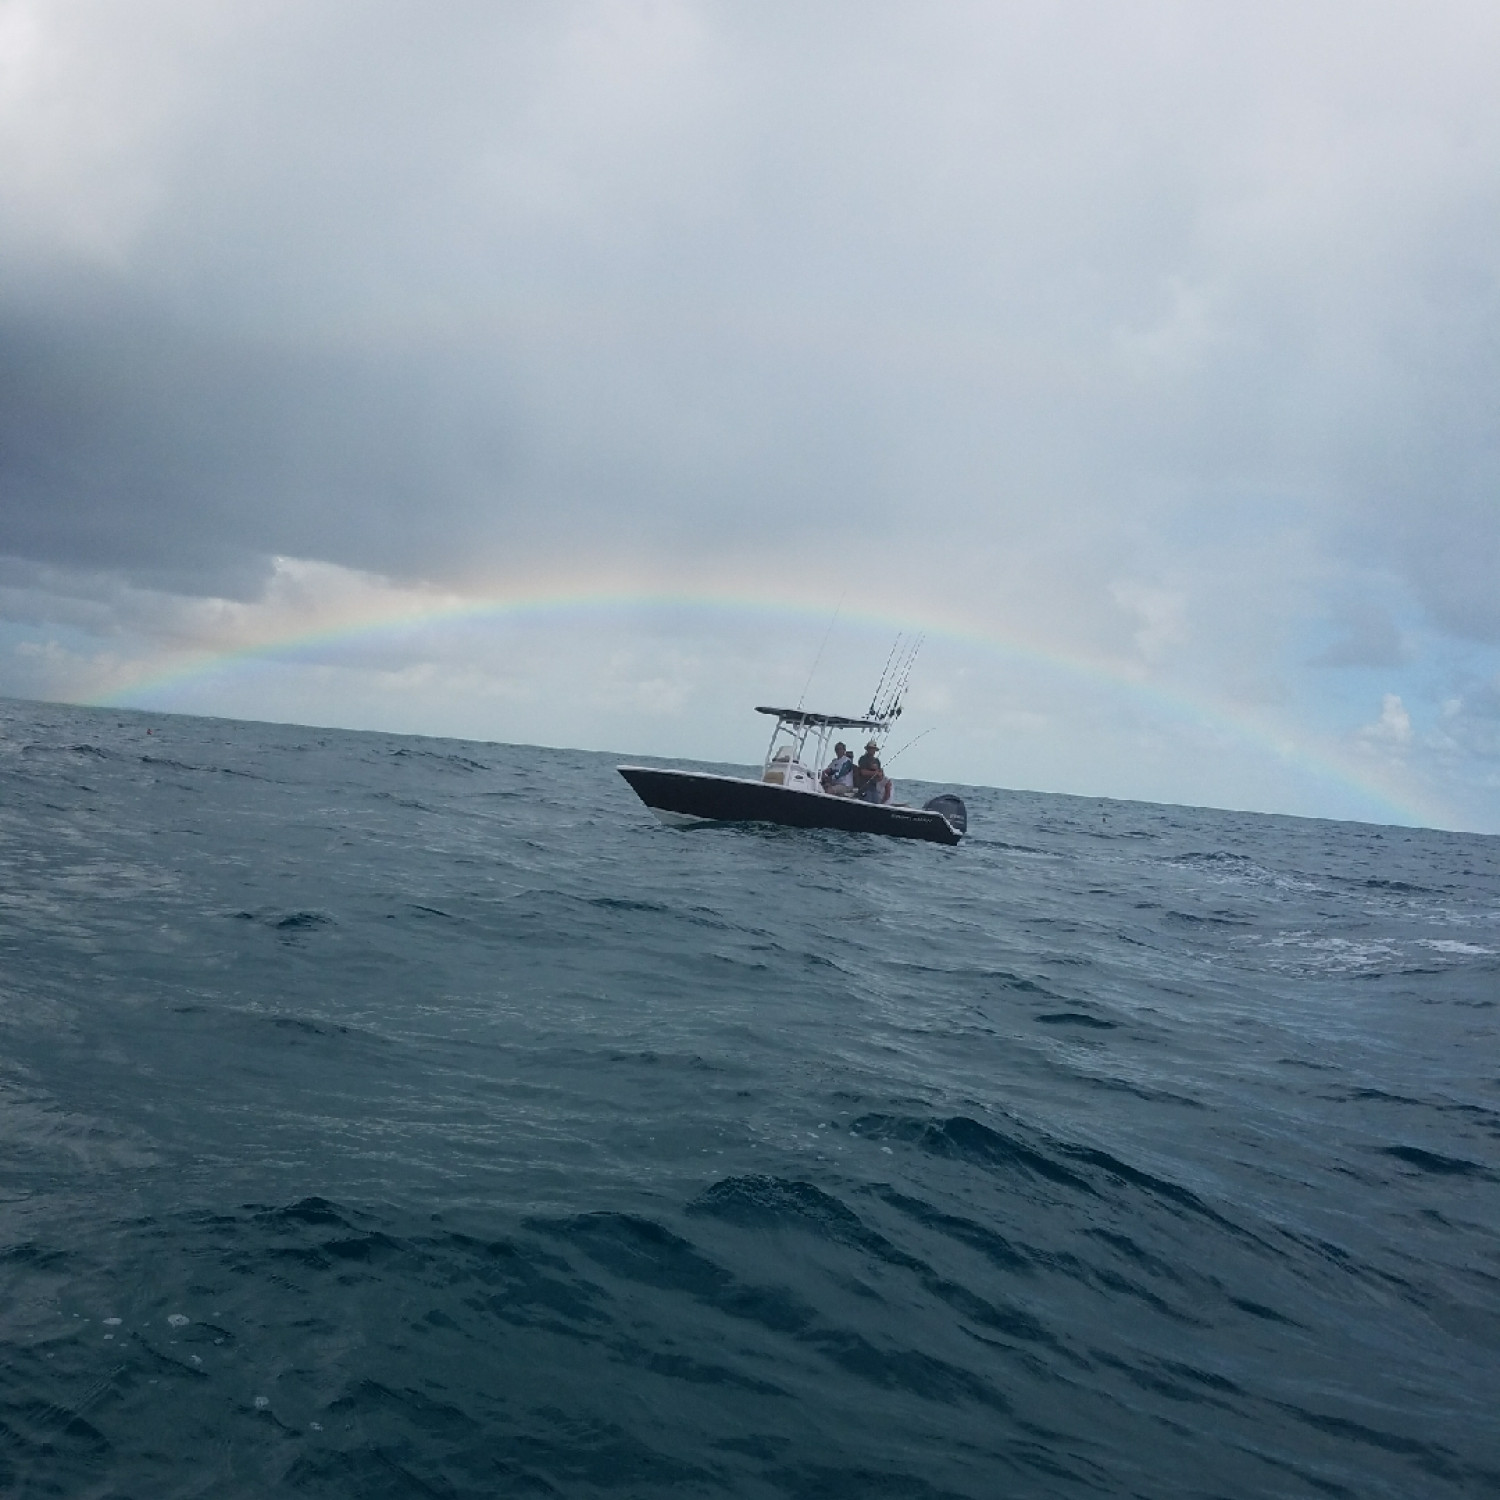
[{"x": 679, "y": 797}]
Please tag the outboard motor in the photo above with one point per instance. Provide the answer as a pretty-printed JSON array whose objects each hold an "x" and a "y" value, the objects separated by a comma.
[{"x": 951, "y": 808}]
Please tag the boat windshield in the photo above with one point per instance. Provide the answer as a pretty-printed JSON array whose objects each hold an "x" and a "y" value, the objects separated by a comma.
[{"x": 788, "y": 744}]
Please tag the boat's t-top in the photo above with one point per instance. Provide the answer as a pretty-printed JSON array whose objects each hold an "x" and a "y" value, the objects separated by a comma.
[{"x": 799, "y": 745}]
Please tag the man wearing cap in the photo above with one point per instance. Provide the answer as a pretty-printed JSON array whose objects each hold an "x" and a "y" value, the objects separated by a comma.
[{"x": 870, "y": 782}]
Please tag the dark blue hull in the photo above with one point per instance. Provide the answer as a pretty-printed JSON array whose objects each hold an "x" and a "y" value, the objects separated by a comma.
[{"x": 686, "y": 795}]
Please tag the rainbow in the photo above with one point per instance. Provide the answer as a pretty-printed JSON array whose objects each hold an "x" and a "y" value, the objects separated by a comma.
[{"x": 574, "y": 603}]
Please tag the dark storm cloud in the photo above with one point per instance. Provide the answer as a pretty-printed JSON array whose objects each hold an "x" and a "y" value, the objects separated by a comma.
[
  {"x": 184, "y": 456},
  {"x": 455, "y": 293}
]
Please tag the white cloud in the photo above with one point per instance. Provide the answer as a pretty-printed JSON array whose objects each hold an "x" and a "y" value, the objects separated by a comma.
[
  {"x": 1162, "y": 616},
  {"x": 1392, "y": 730}
]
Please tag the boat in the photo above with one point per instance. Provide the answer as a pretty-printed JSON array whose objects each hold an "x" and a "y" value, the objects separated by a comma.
[{"x": 791, "y": 790}]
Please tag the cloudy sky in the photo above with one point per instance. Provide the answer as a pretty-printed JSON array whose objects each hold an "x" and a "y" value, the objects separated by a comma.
[{"x": 570, "y": 373}]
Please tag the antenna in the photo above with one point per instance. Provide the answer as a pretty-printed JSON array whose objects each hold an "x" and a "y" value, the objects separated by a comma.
[{"x": 819, "y": 657}]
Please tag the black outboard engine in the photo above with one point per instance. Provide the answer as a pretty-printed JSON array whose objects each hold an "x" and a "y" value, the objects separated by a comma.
[{"x": 951, "y": 808}]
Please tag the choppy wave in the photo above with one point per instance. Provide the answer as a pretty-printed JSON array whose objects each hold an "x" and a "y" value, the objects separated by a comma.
[{"x": 388, "y": 1117}]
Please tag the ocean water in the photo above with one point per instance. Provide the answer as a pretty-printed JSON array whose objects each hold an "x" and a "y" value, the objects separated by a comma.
[{"x": 386, "y": 1116}]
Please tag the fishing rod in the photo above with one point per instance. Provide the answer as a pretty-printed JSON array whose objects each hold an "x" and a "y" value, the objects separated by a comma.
[
  {"x": 896, "y": 677},
  {"x": 885, "y": 673},
  {"x": 904, "y": 680},
  {"x": 907, "y": 746}
]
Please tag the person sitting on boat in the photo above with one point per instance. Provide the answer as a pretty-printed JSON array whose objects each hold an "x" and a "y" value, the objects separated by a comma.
[
  {"x": 870, "y": 781},
  {"x": 839, "y": 777}
]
